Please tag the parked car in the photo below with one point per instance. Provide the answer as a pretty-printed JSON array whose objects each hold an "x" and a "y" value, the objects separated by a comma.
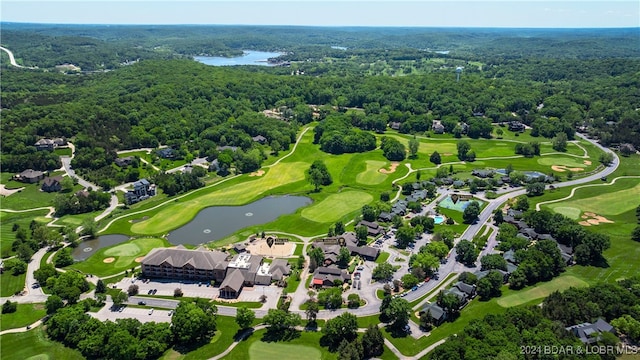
[
  {"x": 150, "y": 291},
  {"x": 171, "y": 313},
  {"x": 154, "y": 291},
  {"x": 360, "y": 267},
  {"x": 150, "y": 311},
  {"x": 142, "y": 303},
  {"x": 121, "y": 309}
]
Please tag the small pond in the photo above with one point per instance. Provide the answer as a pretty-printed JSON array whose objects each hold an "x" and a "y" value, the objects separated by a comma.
[
  {"x": 218, "y": 222},
  {"x": 89, "y": 247},
  {"x": 248, "y": 58}
]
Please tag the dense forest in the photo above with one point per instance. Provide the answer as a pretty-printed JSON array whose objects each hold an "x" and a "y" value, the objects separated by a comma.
[
  {"x": 197, "y": 109},
  {"x": 508, "y": 335}
]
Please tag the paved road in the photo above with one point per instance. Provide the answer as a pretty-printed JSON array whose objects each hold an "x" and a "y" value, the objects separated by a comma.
[{"x": 12, "y": 59}]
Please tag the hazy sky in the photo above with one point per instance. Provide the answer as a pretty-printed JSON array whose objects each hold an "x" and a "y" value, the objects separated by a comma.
[{"x": 506, "y": 13}]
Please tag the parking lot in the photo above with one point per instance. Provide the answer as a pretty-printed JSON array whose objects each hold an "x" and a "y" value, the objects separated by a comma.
[
  {"x": 160, "y": 287},
  {"x": 158, "y": 315}
]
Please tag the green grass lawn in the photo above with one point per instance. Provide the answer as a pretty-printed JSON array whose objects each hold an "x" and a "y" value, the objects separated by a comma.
[
  {"x": 7, "y": 221},
  {"x": 124, "y": 254},
  {"x": 282, "y": 351},
  {"x": 567, "y": 161},
  {"x": 10, "y": 284},
  {"x": 372, "y": 175},
  {"x": 26, "y": 314},
  {"x": 308, "y": 343},
  {"x": 336, "y": 206},
  {"x": 602, "y": 199},
  {"x": 28, "y": 198},
  {"x": 383, "y": 257},
  {"x": 226, "y": 330},
  {"x": 34, "y": 345},
  {"x": 540, "y": 291}
]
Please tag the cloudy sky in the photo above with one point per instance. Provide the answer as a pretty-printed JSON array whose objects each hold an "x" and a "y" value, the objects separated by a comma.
[{"x": 430, "y": 13}]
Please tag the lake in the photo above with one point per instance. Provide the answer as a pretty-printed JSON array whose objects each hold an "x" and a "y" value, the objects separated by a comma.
[
  {"x": 217, "y": 222},
  {"x": 89, "y": 247},
  {"x": 249, "y": 58}
]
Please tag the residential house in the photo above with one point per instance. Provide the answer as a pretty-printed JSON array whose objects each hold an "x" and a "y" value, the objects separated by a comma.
[
  {"x": 395, "y": 125},
  {"x": 279, "y": 268},
  {"x": 125, "y": 161},
  {"x": 29, "y": 176},
  {"x": 590, "y": 333},
  {"x": 214, "y": 165},
  {"x": 438, "y": 315},
  {"x": 469, "y": 290},
  {"x": 326, "y": 276},
  {"x": 399, "y": 208},
  {"x": 142, "y": 190},
  {"x": 166, "y": 153},
  {"x": 52, "y": 184},
  {"x": 44, "y": 144},
  {"x": 462, "y": 297},
  {"x": 385, "y": 216},
  {"x": 259, "y": 139},
  {"x": 60, "y": 142},
  {"x": 373, "y": 228},
  {"x": 437, "y": 127},
  {"x": 516, "y": 126},
  {"x": 248, "y": 266},
  {"x": 482, "y": 173}
]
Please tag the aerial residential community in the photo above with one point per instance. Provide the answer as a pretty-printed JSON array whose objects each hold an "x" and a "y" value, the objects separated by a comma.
[{"x": 263, "y": 192}]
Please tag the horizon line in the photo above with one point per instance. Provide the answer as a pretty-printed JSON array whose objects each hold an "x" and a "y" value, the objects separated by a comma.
[{"x": 326, "y": 26}]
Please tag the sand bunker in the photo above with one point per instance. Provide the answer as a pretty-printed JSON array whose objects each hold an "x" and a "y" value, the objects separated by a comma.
[
  {"x": 260, "y": 247},
  {"x": 257, "y": 173},
  {"x": 139, "y": 259},
  {"x": 562, "y": 168},
  {"x": 109, "y": 260},
  {"x": 587, "y": 162},
  {"x": 392, "y": 168},
  {"x": 593, "y": 219},
  {"x": 447, "y": 154},
  {"x": 6, "y": 192}
]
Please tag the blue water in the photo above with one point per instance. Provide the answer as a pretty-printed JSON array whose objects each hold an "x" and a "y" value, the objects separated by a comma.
[
  {"x": 217, "y": 222},
  {"x": 438, "y": 219},
  {"x": 249, "y": 58}
]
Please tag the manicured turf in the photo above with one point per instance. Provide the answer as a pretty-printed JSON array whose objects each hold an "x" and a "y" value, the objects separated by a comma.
[
  {"x": 608, "y": 203},
  {"x": 336, "y": 206},
  {"x": 10, "y": 284},
  {"x": 541, "y": 291},
  {"x": 372, "y": 175},
  {"x": 563, "y": 161},
  {"x": 26, "y": 314},
  {"x": 34, "y": 345},
  {"x": 282, "y": 351},
  {"x": 570, "y": 212},
  {"x": 7, "y": 220},
  {"x": 179, "y": 213},
  {"x": 28, "y": 198},
  {"x": 124, "y": 254}
]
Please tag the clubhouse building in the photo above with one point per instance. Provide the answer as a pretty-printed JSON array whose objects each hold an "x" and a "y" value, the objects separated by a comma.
[{"x": 231, "y": 272}]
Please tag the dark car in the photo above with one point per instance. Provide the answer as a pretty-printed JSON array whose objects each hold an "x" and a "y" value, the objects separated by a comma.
[{"x": 142, "y": 303}]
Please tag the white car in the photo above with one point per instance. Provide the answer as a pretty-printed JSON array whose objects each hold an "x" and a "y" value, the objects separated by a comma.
[{"x": 150, "y": 311}]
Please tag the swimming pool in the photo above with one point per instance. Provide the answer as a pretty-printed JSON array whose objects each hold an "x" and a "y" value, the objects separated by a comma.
[{"x": 438, "y": 219}]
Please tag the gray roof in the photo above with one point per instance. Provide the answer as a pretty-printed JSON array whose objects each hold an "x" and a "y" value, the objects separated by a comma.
[
  {"x": 436, "y": 311},
  {"x": 281, "y": 265},
  {"x": 178, "y": 257},
  {"x": 30, "y": 174},
  {"x": 510, "y": 256},
  {"x": 50, "y": 181},
  {"x": 367, "y": 251},
  {"x": 589, "y": 333},
  {"x": 465, "y": 288},
  {"x": 233, "y": 280}
]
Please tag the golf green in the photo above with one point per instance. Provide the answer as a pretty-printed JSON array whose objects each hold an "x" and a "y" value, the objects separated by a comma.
[
  {"x": 335, "y": 206},
  {"x": 562, "y": 161},
  {"x": 570, "y": 212},
  {"x": 282, "y": 351},
  {"x": 540, "y": 291},
  {"x": 372, "y": 175}
]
